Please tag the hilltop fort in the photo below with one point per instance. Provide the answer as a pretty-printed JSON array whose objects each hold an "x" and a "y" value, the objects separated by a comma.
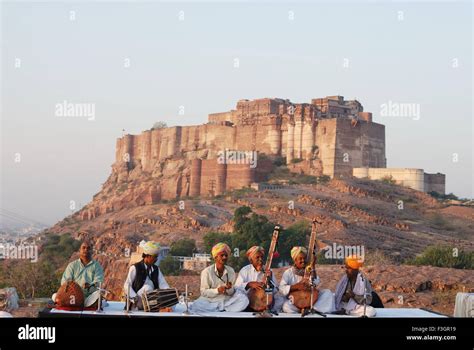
[{"x": 329, "y": 136}]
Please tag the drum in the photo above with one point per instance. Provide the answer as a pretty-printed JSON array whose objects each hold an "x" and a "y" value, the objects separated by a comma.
[
  {"x": 302, "y": 298},
  {"x": 258, "y": 299},
  {"x": 70, "y": 296},
  {"x": 159, "y": 299}
]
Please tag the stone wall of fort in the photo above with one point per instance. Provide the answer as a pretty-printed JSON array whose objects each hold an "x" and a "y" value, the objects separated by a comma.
[
  {"x": 275, "y": 127},
  {"x": 435, "y": 182}
]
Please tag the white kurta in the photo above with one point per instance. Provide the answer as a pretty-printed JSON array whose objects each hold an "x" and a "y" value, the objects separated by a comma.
[
  {"x": 248, "y": 274},
  {"x": 147, "y": 286},
  {"x": 210, "y": 300},
  {"x": 325, "y": 302}
]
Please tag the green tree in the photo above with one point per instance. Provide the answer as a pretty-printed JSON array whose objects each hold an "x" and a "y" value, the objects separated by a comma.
[
  {"x": 254, "y": 229},
  {"x": 41, "y": 278},
  {"x": 169, "y": 266},
  {"x": 211, "y": 238},
  {"x": 294, "y": 235},
  {"x": 183, "y": 247},
  {"x": 241, "y": 216}
]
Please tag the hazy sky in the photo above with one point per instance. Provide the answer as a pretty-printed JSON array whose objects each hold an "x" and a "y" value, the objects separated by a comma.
[{"x": 137, "y": 63}]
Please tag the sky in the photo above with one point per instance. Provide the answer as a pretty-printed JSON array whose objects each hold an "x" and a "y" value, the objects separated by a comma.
[{"x": 138, "y": 63}]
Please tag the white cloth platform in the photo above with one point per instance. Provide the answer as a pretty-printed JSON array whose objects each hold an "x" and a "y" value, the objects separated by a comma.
[{"x": 116, "y": 308}]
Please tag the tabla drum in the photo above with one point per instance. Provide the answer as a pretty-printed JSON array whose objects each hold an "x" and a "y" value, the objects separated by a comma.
[
  {"x": 70, "y": 296},
  {"x": 92, "y": 300},
  {"x": 159, "y": 299}
]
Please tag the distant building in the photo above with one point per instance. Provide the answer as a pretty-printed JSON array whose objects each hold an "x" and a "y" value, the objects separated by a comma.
[
  {"x": 413, "y": 178},
  {"x": 197, "y": 262},
  {"x": 262, "y": 186}
]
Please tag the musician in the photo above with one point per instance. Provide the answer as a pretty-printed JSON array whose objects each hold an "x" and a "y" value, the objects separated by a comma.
[
  {"x": 145, "y": 276},
  {"x": 252, "y": 275},
  {"x": 217, "y": 285},
  {"x": 351, "y": 288},
  {"x": 85, "y": 271},
  {"x": 292, "y": 280}
]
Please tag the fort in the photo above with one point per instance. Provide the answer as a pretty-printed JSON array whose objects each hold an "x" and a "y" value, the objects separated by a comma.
[
  {"x": 336, "y": 132},
  {"x": 329, "y": 136}
]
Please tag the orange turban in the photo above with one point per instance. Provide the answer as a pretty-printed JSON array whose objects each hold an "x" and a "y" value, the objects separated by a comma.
[
  {"x": 354, "y": 262},
  {"x": 219, "y": 248},
  {"x": 254, "y": 250}
]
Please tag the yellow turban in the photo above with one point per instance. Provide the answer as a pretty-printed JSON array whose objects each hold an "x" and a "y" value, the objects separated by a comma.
[
  {"x": 151, "y": 248},
  {"x": 354, "y": 262},
  {"x": 295, "y": 251},
  {"x": 219, "y": 248},
  {"x": 254, "y": 250}
]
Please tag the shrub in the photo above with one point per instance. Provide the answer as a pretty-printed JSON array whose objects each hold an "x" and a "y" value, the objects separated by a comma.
[
  {"x": 443, "y": 196},
  {"x": 324, "y": 179},
  {"x": 388, "y": 180},
  {"x": 279, "y": 161},
  {"x": 444, "y": 256}
]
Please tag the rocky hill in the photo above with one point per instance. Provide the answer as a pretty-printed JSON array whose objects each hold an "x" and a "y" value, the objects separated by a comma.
[{"x": 396, "y": 221}]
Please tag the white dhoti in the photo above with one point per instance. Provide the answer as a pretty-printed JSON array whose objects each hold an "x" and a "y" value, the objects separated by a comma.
[
  {"x": 235, "y": 303},
  {"x": 358, "y": 311},
  {"x": 324, "y": 304}
]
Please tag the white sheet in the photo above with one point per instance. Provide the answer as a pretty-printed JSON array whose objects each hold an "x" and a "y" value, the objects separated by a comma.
[{"x": 117, "y": 309}]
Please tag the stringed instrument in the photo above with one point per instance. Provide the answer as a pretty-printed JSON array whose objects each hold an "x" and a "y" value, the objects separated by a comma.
[
  {"x": 261, "y": 299},
  {"x": 302, "y": 298}
]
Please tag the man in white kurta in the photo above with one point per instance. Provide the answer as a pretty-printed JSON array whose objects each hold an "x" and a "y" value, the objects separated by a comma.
[
  {"x": 252, "y": 276},
  {"x": 217, "y": 286},
  {"x": 145, "y": 276},
  {"x": 352, "y": 288},
  {"x": 147, "y": 286},
  {"x": 294, "y": 277}
]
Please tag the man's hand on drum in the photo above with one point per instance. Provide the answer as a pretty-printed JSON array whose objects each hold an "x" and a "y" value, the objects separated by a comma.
[{"x": 255, "y": 285}]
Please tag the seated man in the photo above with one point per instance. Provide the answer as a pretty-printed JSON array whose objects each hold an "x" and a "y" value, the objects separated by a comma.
[
  {"x": 217, "y": 290},
  {"x": 292, "y": 280},
  {"x": 252, "y": 277},
  {"x": 85, "y": 271},
  {"x": 145, "y": 276},
  {"x": 351, "y": 288}
]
